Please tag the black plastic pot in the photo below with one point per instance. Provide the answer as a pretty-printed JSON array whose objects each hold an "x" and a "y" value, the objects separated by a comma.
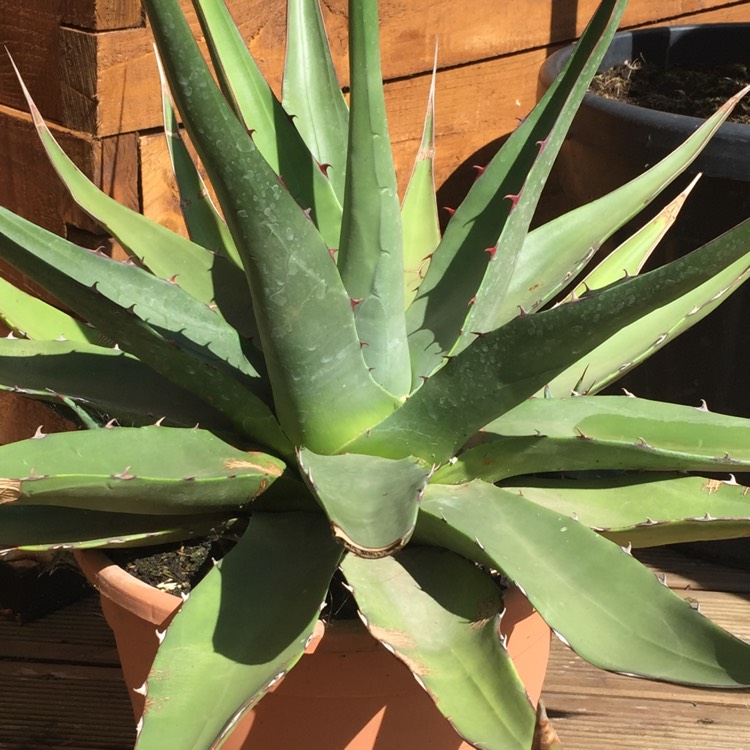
[{"x": 611, "y": 142}]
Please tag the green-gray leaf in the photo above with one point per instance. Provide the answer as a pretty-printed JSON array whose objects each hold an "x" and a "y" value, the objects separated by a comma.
[
  {"x": 439, "y": 614},
  {"x": 217, "y": 661},
  {"x": 371, "y": 502},
  {"x": 611, "y": 609}
]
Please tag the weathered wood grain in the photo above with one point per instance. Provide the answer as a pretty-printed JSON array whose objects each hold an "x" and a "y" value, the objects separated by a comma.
[
  {"x": 31, "y": 31},
  {"x": 128, "y": 93},
  {"x": 599, "y": 721},
  {"x": 108, "y": 83},
  {"x": 100, "y": 15},
  {"x": 475, "y": 105},
  {"x": 30, "y": 186}
]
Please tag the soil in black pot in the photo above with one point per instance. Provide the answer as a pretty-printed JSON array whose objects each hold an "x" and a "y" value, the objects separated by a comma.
[{"x": 693, "y": 91}]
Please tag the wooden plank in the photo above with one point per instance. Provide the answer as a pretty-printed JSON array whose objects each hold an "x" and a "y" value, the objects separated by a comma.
[
  {"x": 53, "y": 711},
  {"x": 124, "y": 95},
  {"x": 569, "y": 674},
  {"x": 30, "y": 31},
  {"x": 101, "y": 15},
  {"x": 592, "y": 709},
  {"x": 77, "y": 625},
  {"x": 475, "y": 105},
  {"x": 685, "y": 573},
  {"x": 31, "y": 187},
  {"x": 61, "y": 683},
  {"x": 593, "y": 723}
]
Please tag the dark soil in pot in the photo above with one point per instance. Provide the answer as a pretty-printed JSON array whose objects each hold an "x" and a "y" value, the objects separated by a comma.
[
  {"x": 693, "y": 90},
  {"x": 177, "y": 567}
]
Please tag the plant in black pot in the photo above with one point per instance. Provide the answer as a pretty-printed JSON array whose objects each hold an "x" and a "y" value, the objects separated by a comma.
[
  {"x": 613, "y": 139},
  {"x": 374, "y": 400}
]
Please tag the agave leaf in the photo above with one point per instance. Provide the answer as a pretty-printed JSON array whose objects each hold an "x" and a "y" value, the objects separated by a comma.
[
  {"x": 636, "y": 342},
  {"x": 371, "y": 252},
  {"x": 114, "y": 383},
  {"x": 36, "y": 319},
  {"x": 557, "y": 251},
  {"x": 602, "y": 433},
  {"x": 150, "y": 470},
  {"x": 371, "y": 502},
  {"x": 272, "y": 130},
  {"x": 629, "y": 258},
  {"x": 634, "y": 625},
  {"x": 205, "y": 225},
  {"x": 439, "y": 614},
  {"x": 670, "y": 427},
  {"x": 311, "y": 92},
  {"x": 437, "y": 316},
  {"x": 207, "y": 277},
  {"x": 419, "y": 214},
  {"x": 96, "y": 287},
  {"x": 294, "y": 283},
  {"x": 503, "y": 368},
  {"x": 218, "y": 661},
  {"x": 58, "y": 265},
  {"x": 645, "y": 510},
  {"x": 37, "y": 528},
  {"x": 492, "y": 306}
]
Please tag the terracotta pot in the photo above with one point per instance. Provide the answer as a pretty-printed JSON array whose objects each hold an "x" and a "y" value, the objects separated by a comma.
[{"x": 349, "y": 694}]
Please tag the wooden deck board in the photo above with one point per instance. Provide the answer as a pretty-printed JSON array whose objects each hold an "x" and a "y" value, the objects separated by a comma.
[
  {"x": 592, "y": 709},
  {"x": 61, "y": 685}
]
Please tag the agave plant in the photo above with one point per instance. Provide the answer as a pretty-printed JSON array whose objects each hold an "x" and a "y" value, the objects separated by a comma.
[{"x": 372, "y": 396}]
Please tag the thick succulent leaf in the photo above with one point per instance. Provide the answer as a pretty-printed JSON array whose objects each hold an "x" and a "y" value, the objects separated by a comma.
[
  {"x": 311, "y": 93},
  {"x": 154, "y": 320},
  {"x": 503, "y": 368},
  {"x": 638, "y": 341},
  {"x": 605, "y": 604},
  {"x": 370, "y": 502},
  {"x": 371, "y": 252},
  {"x": 555, "y": 253},
  {"x": 437, "y": 315},
  {"x": 57, "y": 265},
  {"x": 645, "y": 510},
  {"x": 37, "y": 528},
  {"x": 150, "y": 470},
  {"x": 272, "y": 129},
  {"x": 34, "y": 318},
  {"x": 604, "y": 433},
  {"x": 304, "y": 313},
  {"x": 217, "y": 661},
  {"x": 606, "y": 417},
  {"x": 439, "y": 614},
  {"x": 419, "y": 213},
  {"x": 209, "y": 278},
  {"x": 492, "y": 305},
  {"x": 204, "y": 224},
  {"x": 114, "y": 383},
  {"x": 629, "y": 258}
]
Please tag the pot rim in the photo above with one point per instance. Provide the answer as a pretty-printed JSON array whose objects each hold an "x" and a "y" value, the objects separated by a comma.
[
  {"x": 156, "y": 606},
  {"x": 645, "y": 117},
  {"x": 108, "y": 578}
]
